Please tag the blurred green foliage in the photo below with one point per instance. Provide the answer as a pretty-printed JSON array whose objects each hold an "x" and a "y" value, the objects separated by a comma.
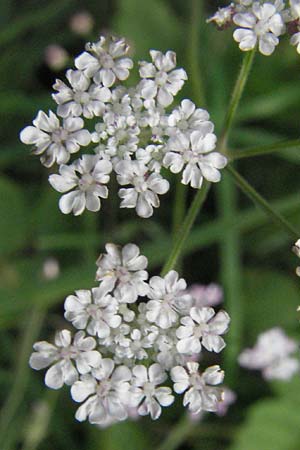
[{"x": 232, "y": 242}]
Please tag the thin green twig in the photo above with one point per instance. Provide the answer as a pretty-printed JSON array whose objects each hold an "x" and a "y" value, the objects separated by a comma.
[
  {"x": 264, "y": 149},
  {"x": 262, "y": 203},
  {"x": 236, "y": 96},
  {"x": 186, "y": 228}
]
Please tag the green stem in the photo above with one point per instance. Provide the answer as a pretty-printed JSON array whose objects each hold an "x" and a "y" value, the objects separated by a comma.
[
  {"x": 230, "y": 275},
  {"x": 179, "y": 433},
  {"x": 179, "y": 206},
  {"x": 16, "y": 394},
  {"x": 186, "y": 428},
  {"x": 263, "y": 149},
  {"x": 186, "y": 227},
  {"x": 262, "y": 203},
  {"x": 236, "y": 96}
]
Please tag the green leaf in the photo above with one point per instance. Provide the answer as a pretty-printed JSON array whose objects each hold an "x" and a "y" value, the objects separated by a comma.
[
  {"x": 271, "y": 299},
  {"x": 14, "y": 217},
  {"x": 150, "y": 24},
  {"x": 270, "y": 425}
]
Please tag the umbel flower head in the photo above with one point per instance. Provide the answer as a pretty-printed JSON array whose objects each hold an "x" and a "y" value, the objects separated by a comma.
[
  {"x": 132, "y": 336},
  {"x": 260, "y": 23},
  {"x": 130, "y": 133}
]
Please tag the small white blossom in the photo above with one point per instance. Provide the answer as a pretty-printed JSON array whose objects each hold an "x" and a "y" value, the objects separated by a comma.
[
  {"x": 143, "y": 196},
  {"x": 83, "y": 98},
  {"x": 202, "y": 327},
  {"x": 272, "y": 354},
  {"x": 187, "y": 118},
  {"x": 125, "y": 269},
  {"x": 202, "y": 395},
  {"x": 105, "y": 392},
  {"x": 263, "y": 24},
  {"x": 60, "y": 357},
  {"x": 195, "y": 155},
  {"x": 146, "y": 393},
  {"x": 90, "y": 182},
  {"x": 95, "y": 311},
  {"x": 167, "y": 299},
  {"x": 160, "y": 80},
  {"x": 55, "y": 143},
  {"x": 104, "y": 61}
]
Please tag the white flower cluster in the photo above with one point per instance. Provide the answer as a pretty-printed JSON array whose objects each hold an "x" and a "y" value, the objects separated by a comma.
[
  {"x": 260, "y": 23},
  {"x": 126, "y": 130},
  {"x": 272, "y": 354},
  {"x": 132, "y": 335}
]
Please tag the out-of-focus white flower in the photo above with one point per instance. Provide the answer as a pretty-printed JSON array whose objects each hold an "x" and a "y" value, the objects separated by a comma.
[
  {"x": 146, "y": 391},
  {"x": 195, "y": 155},
  {"x": 104, "y": 61},
  {"x": 90, "y": 184},
  {"x": 272, "y": 354},
  {"x": 104, "y": 393},
  {"x": 143, "y": 196},
  {"x": 82, "y": 98},
  {"x": 56, "y": 57},
  {"x": 95, "y": 311},
  {"x": 60, "y": 356},
  {"x": 263, "y": 23},
  {"x": 81, "y": 23},
  {"x": 167, "y": 299},
  {"x": 202, "y": 327},
  {"x": 160, "y": 80},
  {"x": 55, "y": 142},
  {"x": 202, "y": 395},
  {"x": 124, "y": 269},
  {"x": 296, "y": 250},
  {"x": 50, "y": 269},
  {"x": 206, "y": 295}
]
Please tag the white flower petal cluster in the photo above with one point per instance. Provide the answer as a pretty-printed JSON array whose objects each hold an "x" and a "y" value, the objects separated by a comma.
[
  {"x": 131, "y": 133},
  {"x": 260, "y": 23},
  {"x": 200, "y": 391},
  {"x": 129, "y": 340},
  {"x": 273, "y": 355}
]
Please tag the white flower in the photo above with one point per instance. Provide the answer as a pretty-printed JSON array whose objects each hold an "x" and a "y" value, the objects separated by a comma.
[
  {"x": 167, "y": 299},
  {"x": 143, "y": 196},
  {"x": 159, "y": 78},
  {"x": 60, "y": 357},
  {"x": 187, "y": 118},
  {"x": 204, "y": 327},
  {"x": 152, "y": 156},
  {"x": 295, "y": 40},
  {"x": 55, "y": 142},
  {"x": 145, "y": 392},
  {"x": 90, "y": 185},
  {"x": 95, "y": 311},
  {"x": 82, "y": 98},
  {"x": 125, "y": 269},
  {"x": 296, "y": 250},
  {"x": 104, "y": 61},
  {"x": 263, "y": 24},
  {"x": 272, "y": 355},
  {"x": 202, "y": 395},
  {"x": 194, "y": 154},
  {"x": 165, "y": 348},
  {"x": 105, "y": 392},
  {"x": 206, "y": 295}
]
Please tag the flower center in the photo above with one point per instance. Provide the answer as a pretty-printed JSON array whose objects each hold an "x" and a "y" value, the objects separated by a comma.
[
  {"x": 69, "y": 352},
  {"x": 262, "y": 27},
  {"x": 82, "y": 97},
  {"x": 103, "y": 388},
  {"x": 161, "y": 78},
  {"x": 86, "y": 181},
  {"x": 149, "y": 389},
  {"x": 106, "y": 61},
  {"x": 60, "y": 135}
]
